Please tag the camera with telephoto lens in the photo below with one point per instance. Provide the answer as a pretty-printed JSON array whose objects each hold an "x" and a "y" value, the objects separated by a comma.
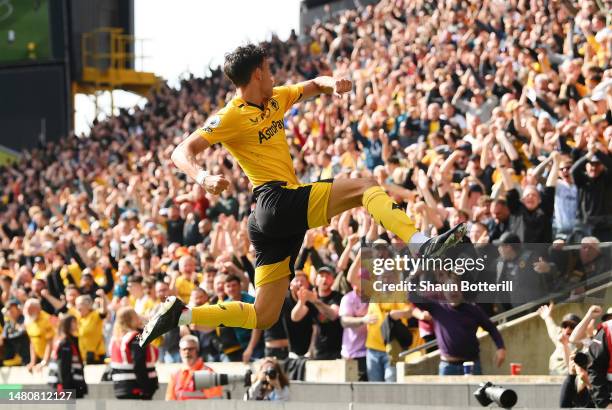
[
  {"x": 271, "y": 373},
  {"x": 581, "y": 359},
  {"x": 488, "y": 393},
  {"x": 204, "y": 379}
]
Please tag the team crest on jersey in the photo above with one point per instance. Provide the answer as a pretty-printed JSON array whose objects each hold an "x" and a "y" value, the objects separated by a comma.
[
  {"x": 274, "y": 104},
  {"x": 264, "y": 115}
]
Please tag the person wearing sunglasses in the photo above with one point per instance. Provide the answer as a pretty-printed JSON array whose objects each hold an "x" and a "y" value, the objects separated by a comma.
[{"x": 559, "y": 361}]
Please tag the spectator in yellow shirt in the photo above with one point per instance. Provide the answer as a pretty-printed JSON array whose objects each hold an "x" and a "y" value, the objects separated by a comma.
[
  {"x": 91, "y": 326},
  {"x": 40, "y": 331},
  {"x": 186, "y": 279},
  {"x": 378, "y": 360},
  {"x": 138, "y": 298}
]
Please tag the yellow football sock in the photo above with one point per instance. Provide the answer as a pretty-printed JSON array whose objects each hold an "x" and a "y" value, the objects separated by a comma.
[
  {"x": 387, "y": 213},
  {"x": 230, "y": 314}
]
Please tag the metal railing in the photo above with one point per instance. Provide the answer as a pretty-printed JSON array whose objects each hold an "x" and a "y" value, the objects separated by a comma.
[{"x": 108, "y": 48}]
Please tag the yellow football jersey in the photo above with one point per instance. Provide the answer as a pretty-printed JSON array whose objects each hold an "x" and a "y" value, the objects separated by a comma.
[
  {"x": 41, "y": 333},
  {"x": 185, "y": 286},
  {"x": 91, "y": 338},
  {"x": 374, "y": 338},
  {"x": 255, "y": 136}
]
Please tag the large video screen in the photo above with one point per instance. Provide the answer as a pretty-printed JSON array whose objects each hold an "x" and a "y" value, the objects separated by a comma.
[{"x": 24, "y": 30}]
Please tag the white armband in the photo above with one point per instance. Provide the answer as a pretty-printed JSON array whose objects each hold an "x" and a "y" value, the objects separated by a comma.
[{"x": 201, "y": 177}]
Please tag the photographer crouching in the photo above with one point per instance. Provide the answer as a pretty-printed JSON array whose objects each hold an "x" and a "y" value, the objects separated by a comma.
[
  {"x": 271, "y": 382},
  {"x": 576, "y": 389}
]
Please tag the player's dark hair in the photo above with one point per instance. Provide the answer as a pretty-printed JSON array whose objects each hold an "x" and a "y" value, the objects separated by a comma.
[{"x": 240, "y": 64}]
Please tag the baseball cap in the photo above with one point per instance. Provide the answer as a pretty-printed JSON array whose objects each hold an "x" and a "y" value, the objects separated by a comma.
[
  {"x": 39, "y": 259},
  {"x": 475, "y": 188},
  {"x": 466, "y": 146},
  {"x": 129, "y": 214},
  {"x": 325, "y": 269},
  {"x": 570, "y": 319},
  {"x": 593, "y": 158}
]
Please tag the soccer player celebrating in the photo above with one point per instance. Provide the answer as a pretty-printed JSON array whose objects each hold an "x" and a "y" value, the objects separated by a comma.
[{"x": 251, "y": 128}]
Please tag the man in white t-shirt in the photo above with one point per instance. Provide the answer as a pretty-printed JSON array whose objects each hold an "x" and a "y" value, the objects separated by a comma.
[{"x": 566, "y": 200}]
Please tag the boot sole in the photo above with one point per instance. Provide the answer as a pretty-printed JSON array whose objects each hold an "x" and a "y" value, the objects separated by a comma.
[
  {"x": 146, "y": 332},
  {"x": 453, "y": 239}
]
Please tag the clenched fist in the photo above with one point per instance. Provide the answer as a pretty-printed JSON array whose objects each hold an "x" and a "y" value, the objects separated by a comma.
[
  {"x": 342, "y": 86},
  {"x": 215, "y": 184}
]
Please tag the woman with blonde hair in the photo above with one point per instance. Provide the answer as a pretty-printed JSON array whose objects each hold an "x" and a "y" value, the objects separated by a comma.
[{"x": 133, "y": 367}]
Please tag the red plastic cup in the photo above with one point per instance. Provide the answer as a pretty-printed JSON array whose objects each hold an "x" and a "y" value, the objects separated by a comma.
[{"x": 515, "y": 368}]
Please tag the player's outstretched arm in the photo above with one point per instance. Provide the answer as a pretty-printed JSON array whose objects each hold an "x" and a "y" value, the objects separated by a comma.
[
  {"x": 184, "y": 157},
  {"x": 326, "y": 85}
]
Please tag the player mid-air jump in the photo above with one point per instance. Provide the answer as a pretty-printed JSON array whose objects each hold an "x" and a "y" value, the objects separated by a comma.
[{"x": 251, "y": 128}]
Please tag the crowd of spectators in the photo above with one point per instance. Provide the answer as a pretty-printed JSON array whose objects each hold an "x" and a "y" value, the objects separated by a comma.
[{"x": 496, "y": 113}]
